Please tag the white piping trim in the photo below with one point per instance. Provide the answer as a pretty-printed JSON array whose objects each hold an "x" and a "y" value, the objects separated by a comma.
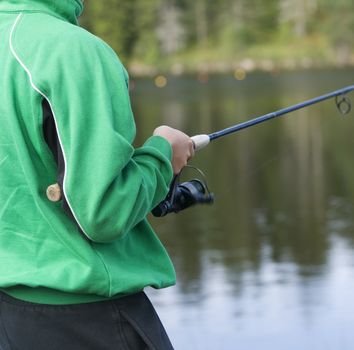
[{"x": 55, "y": 120}]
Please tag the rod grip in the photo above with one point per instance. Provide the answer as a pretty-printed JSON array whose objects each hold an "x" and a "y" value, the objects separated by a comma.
[{"x": 200, "y": 141}]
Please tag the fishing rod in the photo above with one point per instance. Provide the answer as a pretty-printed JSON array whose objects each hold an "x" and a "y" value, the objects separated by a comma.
[
  {"x": 342, "y": 101},
  {"x": 186, "y": 194}
]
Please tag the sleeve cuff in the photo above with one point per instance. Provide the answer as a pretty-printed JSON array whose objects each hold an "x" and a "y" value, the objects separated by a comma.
[{"x": 161, "y": 144}]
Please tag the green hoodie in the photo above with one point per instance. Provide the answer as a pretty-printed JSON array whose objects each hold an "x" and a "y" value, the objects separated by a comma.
[{"x": 107, "y": 249}]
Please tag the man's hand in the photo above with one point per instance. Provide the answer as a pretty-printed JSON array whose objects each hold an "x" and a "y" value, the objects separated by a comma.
[{"x": 182, "y": 146}]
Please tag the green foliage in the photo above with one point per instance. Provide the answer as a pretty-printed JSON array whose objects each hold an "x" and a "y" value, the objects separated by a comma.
[
  {"x": 128, "y": 26},
  {"x": 164, "y": 32},
  {"x": 337, "y": 22}
]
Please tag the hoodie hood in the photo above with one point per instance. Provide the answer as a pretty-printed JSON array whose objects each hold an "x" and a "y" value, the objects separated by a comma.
[{"x": 68, "y": 10}]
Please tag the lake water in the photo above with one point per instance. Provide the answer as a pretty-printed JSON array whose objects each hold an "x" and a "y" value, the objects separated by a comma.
[{"x": 271, "y": 264}]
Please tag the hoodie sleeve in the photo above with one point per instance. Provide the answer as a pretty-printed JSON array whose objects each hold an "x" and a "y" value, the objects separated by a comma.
[{"x": 109, "y": 185}]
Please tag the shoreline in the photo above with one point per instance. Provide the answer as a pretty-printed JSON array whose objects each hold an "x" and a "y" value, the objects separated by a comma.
[{"x": 237, "y": 68}]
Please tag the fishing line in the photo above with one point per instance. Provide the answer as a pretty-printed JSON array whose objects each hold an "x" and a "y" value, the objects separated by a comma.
[
  {"x": 344, "y": 107},
  {"x": 258, "y": 169}
]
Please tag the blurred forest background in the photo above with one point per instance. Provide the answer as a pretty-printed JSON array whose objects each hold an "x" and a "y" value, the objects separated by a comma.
[{"x": 180, "y": 36}]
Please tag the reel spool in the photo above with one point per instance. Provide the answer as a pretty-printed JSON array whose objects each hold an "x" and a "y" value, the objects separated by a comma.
[{"x": 183, "y": 195}]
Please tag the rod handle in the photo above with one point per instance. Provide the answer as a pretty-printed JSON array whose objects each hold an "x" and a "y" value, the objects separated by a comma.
[{"x": 200, "y": 141}]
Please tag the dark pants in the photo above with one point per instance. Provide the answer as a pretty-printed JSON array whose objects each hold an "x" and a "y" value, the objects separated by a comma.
[{"x": 128, "y": 323}]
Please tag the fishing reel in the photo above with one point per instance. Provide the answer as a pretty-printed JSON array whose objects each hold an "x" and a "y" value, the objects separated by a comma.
[{"x": 183, "y": 195}]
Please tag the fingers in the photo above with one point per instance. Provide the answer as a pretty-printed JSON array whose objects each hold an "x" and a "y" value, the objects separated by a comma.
[{"x": 182, "y": 146}]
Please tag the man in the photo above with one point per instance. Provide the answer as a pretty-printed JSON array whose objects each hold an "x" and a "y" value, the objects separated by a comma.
[{"x": 73, "y": 270}]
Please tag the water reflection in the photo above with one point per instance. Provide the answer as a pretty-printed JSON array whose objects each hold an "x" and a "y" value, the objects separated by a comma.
[{"x": 270, "y": 264}]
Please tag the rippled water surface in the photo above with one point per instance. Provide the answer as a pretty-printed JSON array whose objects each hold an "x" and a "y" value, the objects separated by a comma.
[{"x": 271, "y": 264}]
